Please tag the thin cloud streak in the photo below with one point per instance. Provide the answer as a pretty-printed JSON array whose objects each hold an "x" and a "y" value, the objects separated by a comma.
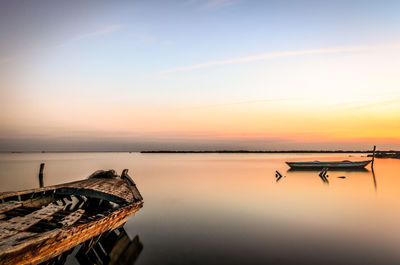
[
  {"x": 380, "y": 104},
  {"x": 104, "y": 31},
  {"x": 270, "y": 55},
  {"x": 211, "y": 3},
  {"x": 219, "y": 3},
  {"x": 241, "y": 103}
]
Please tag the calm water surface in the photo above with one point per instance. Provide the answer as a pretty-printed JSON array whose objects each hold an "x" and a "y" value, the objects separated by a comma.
[{"x": 228, "y": 208}]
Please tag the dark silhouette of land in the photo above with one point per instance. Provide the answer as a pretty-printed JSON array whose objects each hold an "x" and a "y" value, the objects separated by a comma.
[
  {"x": 260, "y": 151},
  {"x": 378, "y": 154}
]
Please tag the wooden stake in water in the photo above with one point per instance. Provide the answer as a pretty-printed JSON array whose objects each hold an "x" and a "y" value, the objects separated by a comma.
[
  {"x": 41, "y": 174},
  {"x": 373, "y": 157}
]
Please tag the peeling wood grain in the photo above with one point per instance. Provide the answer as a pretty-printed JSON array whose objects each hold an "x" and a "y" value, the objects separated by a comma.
[
  {"x": 16, "y": 224},
  {"x": 114, "y": 188},
  {"x": 15, "y": 239},
  {"x": 37, "y": 202},
  {"x": 72, "y": 217},
  {"x": 4, "y": 207}
]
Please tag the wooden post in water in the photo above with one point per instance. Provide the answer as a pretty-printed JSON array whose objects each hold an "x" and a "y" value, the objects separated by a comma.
[
  {"x": 41, "y": 175},
  {"x": 124, "y": 173},
  {"x": 373, "y": 157}
]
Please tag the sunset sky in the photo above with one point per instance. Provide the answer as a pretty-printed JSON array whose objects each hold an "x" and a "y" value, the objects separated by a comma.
[{"x": 199, "y": 74}]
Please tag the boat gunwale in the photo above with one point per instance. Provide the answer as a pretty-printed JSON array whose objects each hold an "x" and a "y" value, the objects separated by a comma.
[{"x": 62, "y": 189}]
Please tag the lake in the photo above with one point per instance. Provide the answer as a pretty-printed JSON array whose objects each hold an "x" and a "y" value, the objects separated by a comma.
[{"x": 229, "y": 208}]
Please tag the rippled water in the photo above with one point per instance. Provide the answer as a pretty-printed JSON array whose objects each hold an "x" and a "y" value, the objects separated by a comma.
[{"x": 228, "y": 208}]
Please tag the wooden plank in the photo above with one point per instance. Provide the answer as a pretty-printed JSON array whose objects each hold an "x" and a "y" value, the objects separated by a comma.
[
  {"x": 37, "y": 202},
  {"x": 4, "y": 232},
  {"x": 23, "y": 223},
  {"x": 72, "y": 217},
  {"x": 15, "y": 239},
  {"x": 6, "y": 206}
]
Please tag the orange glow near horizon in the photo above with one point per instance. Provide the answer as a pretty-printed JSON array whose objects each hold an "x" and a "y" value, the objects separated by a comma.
[{"x": 296, "y": 121}]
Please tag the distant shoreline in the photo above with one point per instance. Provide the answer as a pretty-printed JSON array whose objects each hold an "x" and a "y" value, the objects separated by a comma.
[
  {"x": 213, "y": 152},
  {"x": 254, "y": 152}
]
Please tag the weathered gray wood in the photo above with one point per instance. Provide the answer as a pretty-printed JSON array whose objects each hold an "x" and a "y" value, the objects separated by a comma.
[
  {"x": 4, "y": 232},
  {"x": 136, "y": 194},
  {"x": 22, "y": 223},
  {"x": 72, "y": 217},
  {"x": 53, "y": 238},
  {"x": 112, "y": 189},
  {"x": 7, "y": 206},
  {"x": 16, "y": 238},
  {"x": 38, "y": 202},
  {"x": 49, "y": 244}
]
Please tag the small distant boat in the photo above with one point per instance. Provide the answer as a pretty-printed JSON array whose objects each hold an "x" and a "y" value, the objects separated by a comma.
[
  {"x": 345, "y": 164},
  {"x": 332, "y": 164}
]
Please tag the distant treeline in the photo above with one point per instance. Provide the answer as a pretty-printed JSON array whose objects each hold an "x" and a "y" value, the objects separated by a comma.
[
  {"x": 380, "y": 154},
  {"x": 387, "y": 154},
  {"x": 260, "y": 152}
]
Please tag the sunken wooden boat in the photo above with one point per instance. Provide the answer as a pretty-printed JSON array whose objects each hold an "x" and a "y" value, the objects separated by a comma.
[
  {"x": 345, "y": 164},
  {"x": 39, "y": 224}
]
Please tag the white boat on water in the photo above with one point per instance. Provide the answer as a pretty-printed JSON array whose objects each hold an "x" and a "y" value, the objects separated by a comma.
[{"x": 329, "y": 164}]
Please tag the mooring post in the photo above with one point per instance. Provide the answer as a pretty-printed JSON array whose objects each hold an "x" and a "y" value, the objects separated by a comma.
[
  {"x": 124, "y": 173},
  {"x": 373, "y": 157},
  {"x": 41, "y": 175}
]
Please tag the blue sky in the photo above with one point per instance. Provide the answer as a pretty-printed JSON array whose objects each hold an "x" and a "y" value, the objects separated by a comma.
[{"x": 143, "y": 57}]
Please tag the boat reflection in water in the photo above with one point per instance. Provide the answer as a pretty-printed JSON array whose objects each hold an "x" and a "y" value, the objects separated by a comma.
[
  {"x": 329, "y": 169},
  {"x": 113, "y": 247},
  {"x": 323, "y": 174}
]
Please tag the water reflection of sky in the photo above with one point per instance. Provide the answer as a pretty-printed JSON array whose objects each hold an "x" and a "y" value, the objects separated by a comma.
[{"x": 228, "y": 208}]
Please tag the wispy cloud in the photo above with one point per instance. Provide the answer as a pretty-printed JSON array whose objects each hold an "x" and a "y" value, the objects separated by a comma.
[
  {"x": 379, "y": 104},
  {"x": 248, "y": 102},
  {"x": 270, "y": 55},
  {"x": 219, "y": 3},
  {"x": 212, "y": 3},
  {"x": 101, "y": 32}
]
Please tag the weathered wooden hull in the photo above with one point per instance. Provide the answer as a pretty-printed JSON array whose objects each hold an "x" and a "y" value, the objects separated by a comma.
[
  {"x": 53, "y": 243},
  {"x": 96, "y": 205},
  {"x": 334, "y": 164}
]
